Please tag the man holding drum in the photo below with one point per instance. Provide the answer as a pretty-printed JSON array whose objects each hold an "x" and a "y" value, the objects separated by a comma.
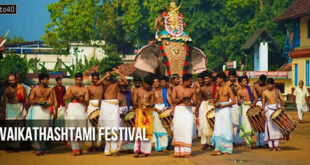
[
  {"x": 184, "y": 97},
  {"x": 259, "y": 88},
  {"x": 247, "y": 98},
  {"x": 160, "y": 135},
  {"x": 144, "y": 99},
  {"x": 205, "y": 100},
  {"x": 223, "y": 129},
  {"x": 271, "y": 96},
  {"x": 95, "y": 93}
]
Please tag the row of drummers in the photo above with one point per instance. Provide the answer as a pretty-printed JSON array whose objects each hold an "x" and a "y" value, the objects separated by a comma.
[{"x": 248, "y": 115}]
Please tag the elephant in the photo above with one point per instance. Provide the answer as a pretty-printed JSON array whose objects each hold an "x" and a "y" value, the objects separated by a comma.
[{"x": 169, "y": 57}]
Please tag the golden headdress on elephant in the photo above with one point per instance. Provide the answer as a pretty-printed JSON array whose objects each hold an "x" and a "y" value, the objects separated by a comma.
[{"x": 172, "y": 53}]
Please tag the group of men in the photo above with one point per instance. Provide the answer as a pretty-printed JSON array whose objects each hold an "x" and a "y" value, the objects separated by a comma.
[{"x": 188, "y": 101}]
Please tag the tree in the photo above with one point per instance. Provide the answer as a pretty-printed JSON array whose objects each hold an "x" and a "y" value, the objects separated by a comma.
[
  {"x": 219, "y": 27},
  {"x": 15, "y": 40},
  {"x": 15, "y": 64}
]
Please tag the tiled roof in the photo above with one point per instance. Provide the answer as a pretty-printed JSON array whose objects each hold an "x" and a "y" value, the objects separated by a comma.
[{"x": 297, "y": 9}]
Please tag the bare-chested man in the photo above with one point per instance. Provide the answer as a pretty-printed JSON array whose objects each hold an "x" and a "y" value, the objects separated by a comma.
[
  {"x": 184, "y": 97},
  {"x": 271, "y": 97},
  {"x": 41, "y": 99},
  {"x": 13, "y": 102},
  {"x": 235, "y": 110},
  {"x": 137, "y": 84},
  {"x": 175, "y": 81},
  {"x": 205, "y": 104},
  {"x": 247, "y": 98},
  {"x": 78, "y": 97},
  {"x": 259, "y": 88},
  {"x": 109, "y": 109},
  {"x": 144, "y": 99},
  {"x": 95, "y": 94},
  {"x": 164, "y": 82},
  {"x": 223, "y": 129},
  {"x": 160, "y": 135}
]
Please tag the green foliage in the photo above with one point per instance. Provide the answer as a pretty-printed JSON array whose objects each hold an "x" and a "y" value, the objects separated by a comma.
[
  {"x": 111, "y": 60},
  {"x": 219, "y": 27},
  {"x": 33, "y": 64},
  {"x": 13, "y": 63},
  {"x": 15, "y": 40}
]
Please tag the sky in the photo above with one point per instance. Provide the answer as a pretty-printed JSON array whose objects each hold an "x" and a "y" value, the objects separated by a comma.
[{"x": 30, "y": 20}]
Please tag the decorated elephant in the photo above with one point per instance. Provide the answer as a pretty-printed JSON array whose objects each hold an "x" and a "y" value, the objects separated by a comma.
[{"x": 171, "y": 53}]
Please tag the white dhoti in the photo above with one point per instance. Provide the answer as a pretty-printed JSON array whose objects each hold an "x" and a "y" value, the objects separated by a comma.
[
  {"x": 301, "y": 109},
  {"x": 110, "y": 117},
  {"x": 160, "y": 135},
  {"x": 76, "y": 117},
  {"x": 246, "y": 128},
  {"x": 223, "y": 130},
  {"x": 182, "y": 128},
  {"x": 260, "y": 136},
  {"x": 14, "y": 115},
  {"x": 39, "y": 117},
  {"x": 205, "y": 130},
  {"x": 272, "y": 133},
  {"x": 15, "y": 111},
  {"x": 236, "y": 120}
]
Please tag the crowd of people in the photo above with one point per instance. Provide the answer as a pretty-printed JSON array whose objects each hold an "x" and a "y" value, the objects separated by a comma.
[{"x": 186, "y": 100}]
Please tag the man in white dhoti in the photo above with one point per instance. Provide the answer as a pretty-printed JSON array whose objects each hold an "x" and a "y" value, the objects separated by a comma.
[
  {"x": 160, "y": 135},
  {"x": 259, "y": 88},
  {"x": 109, "y": 109},
  {"x": 301, "y": 95},
  {"x": 247, "y": 98},
  {"x": 223, "y": 129},
  {"x": 271, "y": 96},
  {"x": 235, "y": 110},
  {"x": 184, "y": 97},
  {"x": 41, "y": 101},
  {"x": 13, "y": 102},
  {"x": 125, "y": 104},
  {"x": 205, "y": 100},
  {"x": 95, "y": 94},
  {"x": 77, "y": 96}
]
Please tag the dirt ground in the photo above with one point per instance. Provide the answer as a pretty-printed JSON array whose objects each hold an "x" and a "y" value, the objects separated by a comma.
[{"x": 295, "y": 151}]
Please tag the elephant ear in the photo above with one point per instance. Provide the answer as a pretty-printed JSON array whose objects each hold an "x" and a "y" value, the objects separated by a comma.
[
  {"x": 198, "y": 61},
  {"x": 147, "y": 58}
]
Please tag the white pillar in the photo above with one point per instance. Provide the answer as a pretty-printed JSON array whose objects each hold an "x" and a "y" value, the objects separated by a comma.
[
  {"x": 256, "y": 58},
  {"x": 263, "y": 56}
]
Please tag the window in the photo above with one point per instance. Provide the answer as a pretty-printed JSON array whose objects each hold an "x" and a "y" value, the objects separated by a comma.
[
  {"x": 296, "y": 75},
  {"x": 280, "y": 86},
  {"x": 308, "y": 28},
  {"x": 296, "y": 37},
  {"x": 307, "y": 73}
]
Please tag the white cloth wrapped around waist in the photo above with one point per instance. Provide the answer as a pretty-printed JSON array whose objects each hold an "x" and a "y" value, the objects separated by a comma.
[
  {"x": 183, "y": 126},
  {"x": 204, "y": 127},
  {"x": 109, "y": 113},
  {"x": 15, "y": 111}
]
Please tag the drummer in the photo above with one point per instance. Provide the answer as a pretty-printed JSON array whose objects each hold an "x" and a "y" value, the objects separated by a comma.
[
  {"x": 205, "y": 100},
  {"x": 259, "y": 87},
  {"x": 144, "y": 99},
  {"x": 246, "y": 98},
  {"x": 184, "y": 97},
  {"x": 95, "y": 93},
  {"x": 270, "y": 104},
  {"x": 125, "y": 105},
  {"x": 160, "y": 135}
]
